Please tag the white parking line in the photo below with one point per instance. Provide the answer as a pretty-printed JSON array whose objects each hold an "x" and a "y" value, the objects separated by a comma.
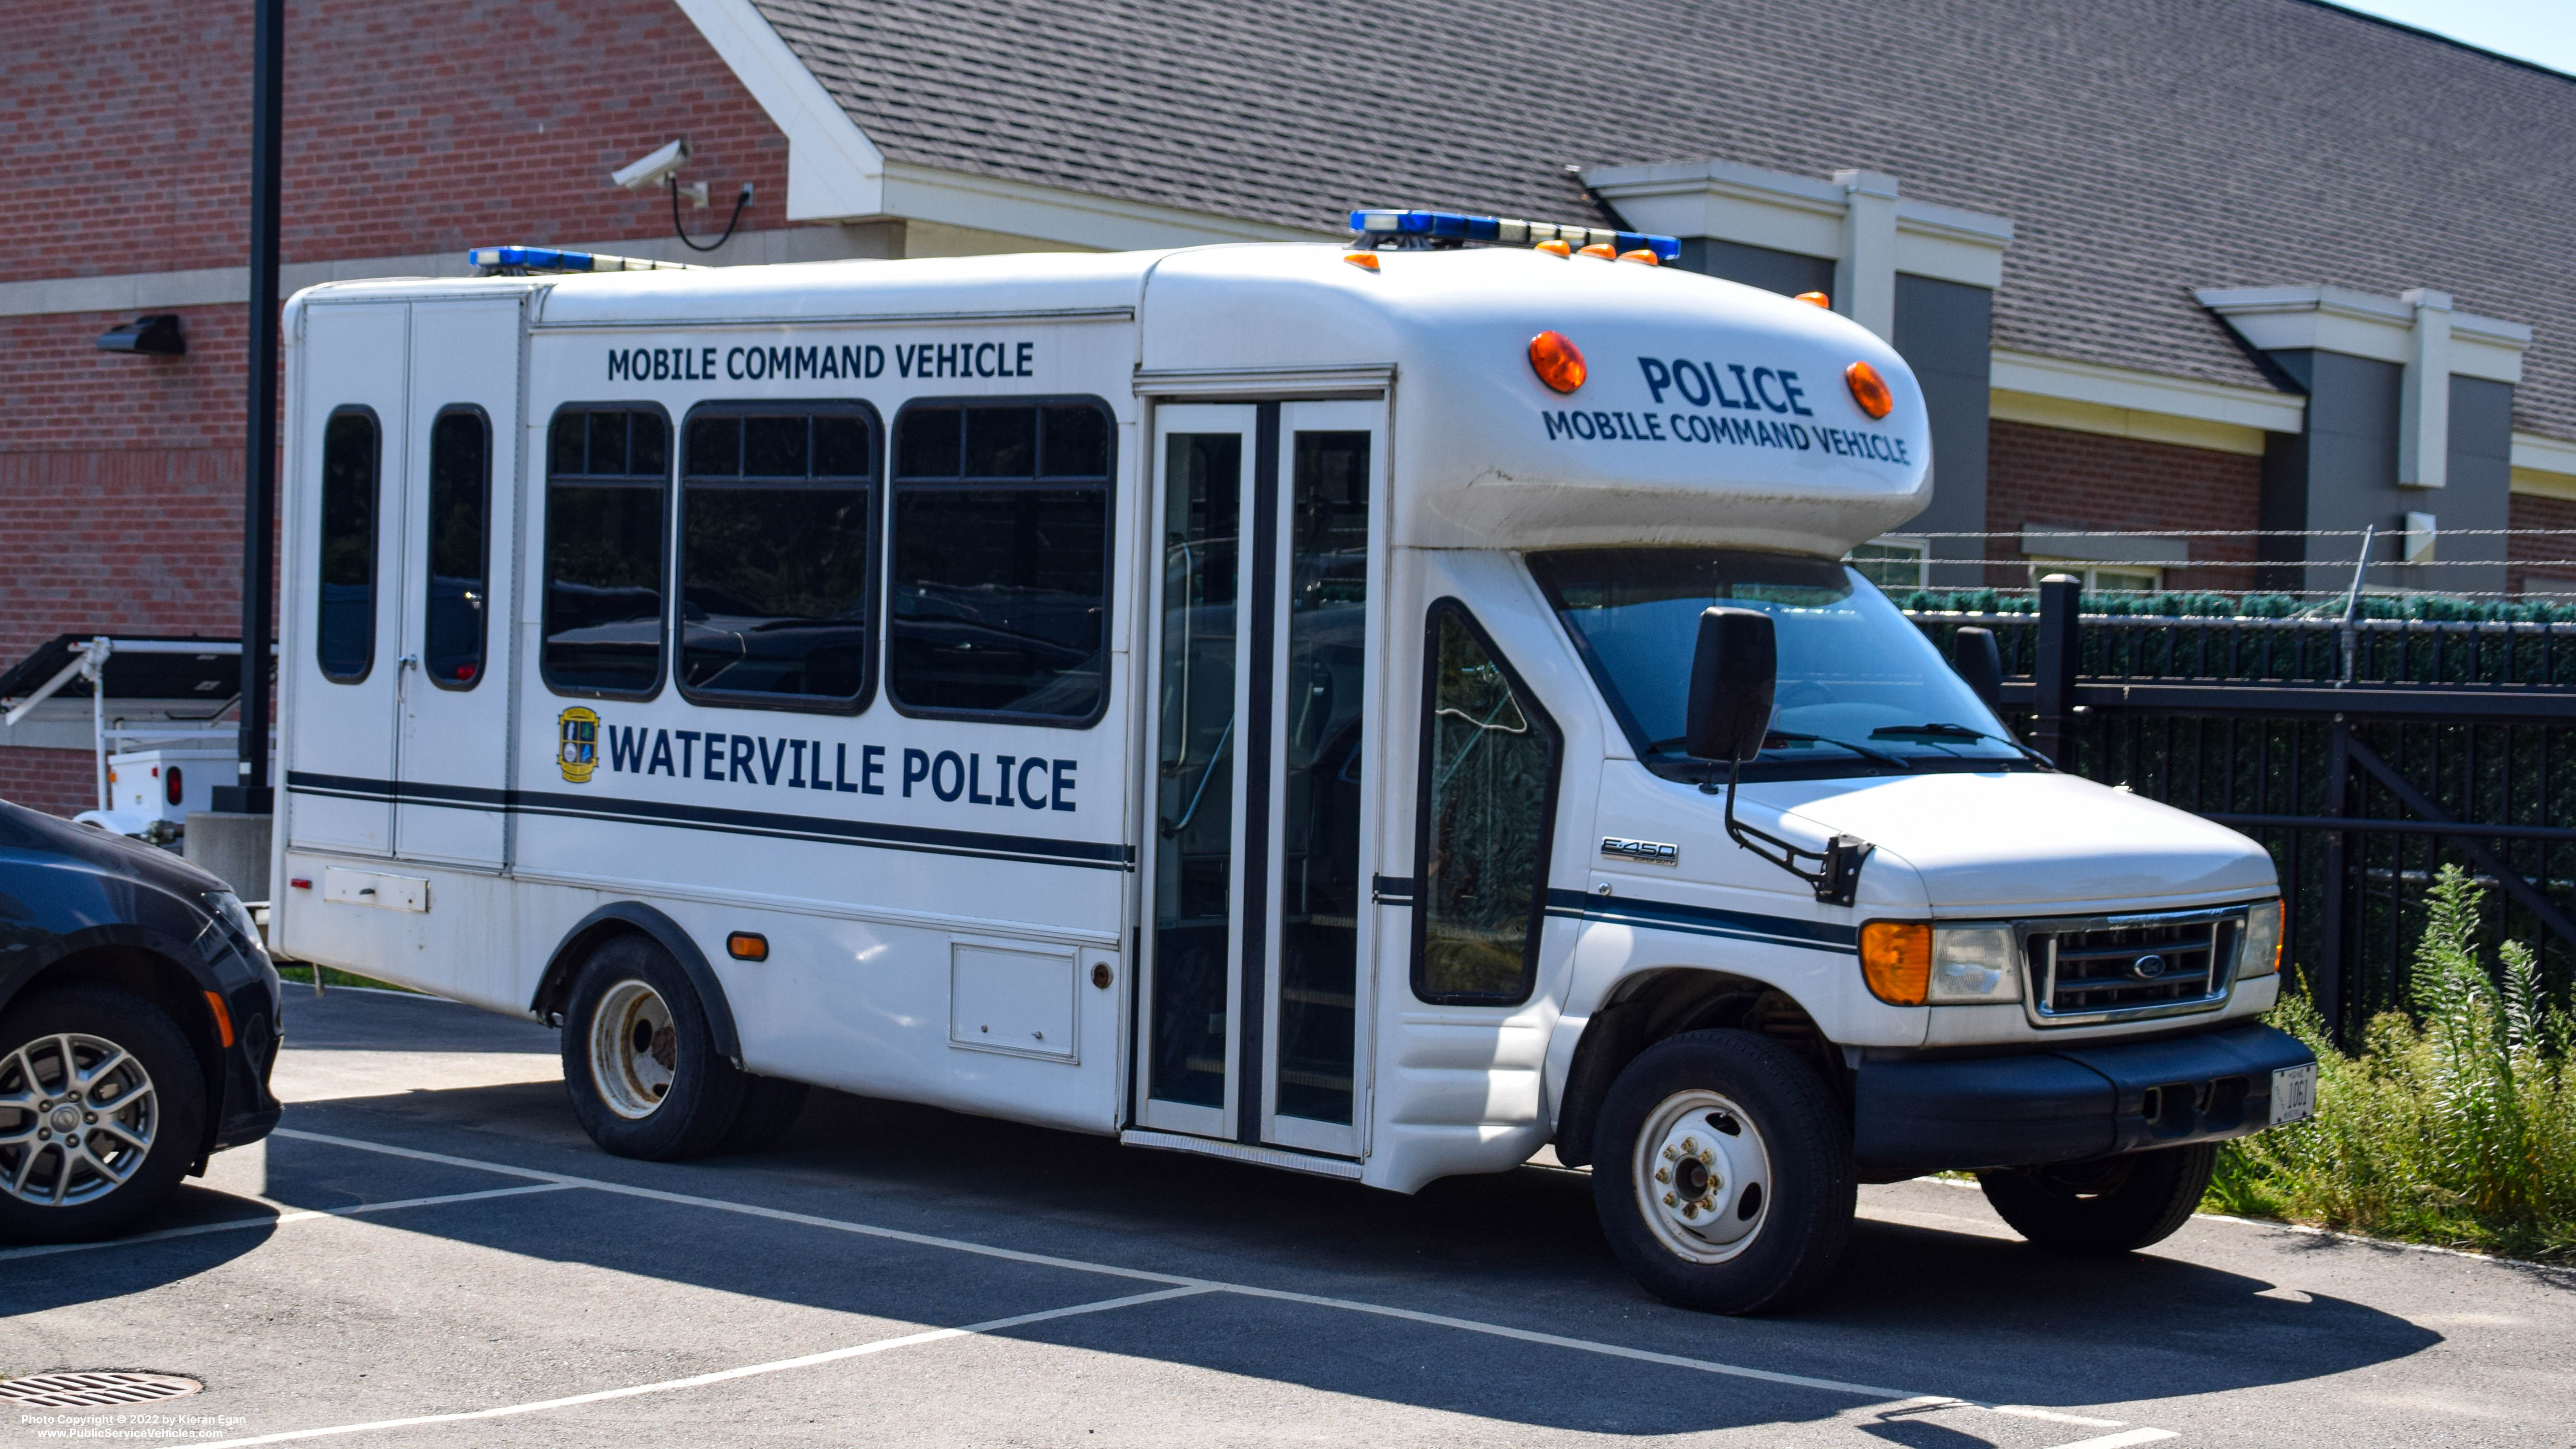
[
  {"x": 697, "y": 1381},
  {"x": 1350, "y": 1305},
  {"x": 285, "y": 1215},
  {"x": 2123, "y": 1441}
]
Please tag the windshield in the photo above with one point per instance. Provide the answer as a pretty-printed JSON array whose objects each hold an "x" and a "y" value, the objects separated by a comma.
[{"x": 1861, "y": 690}]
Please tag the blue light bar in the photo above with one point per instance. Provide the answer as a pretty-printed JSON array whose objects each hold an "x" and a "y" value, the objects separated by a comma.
[
  {"x": 548, "y": 259},
  {"x": 1372, "y": 226}
]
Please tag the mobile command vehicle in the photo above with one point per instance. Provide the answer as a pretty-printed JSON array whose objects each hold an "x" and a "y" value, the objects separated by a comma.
[{"x": 1373, "y": 712}]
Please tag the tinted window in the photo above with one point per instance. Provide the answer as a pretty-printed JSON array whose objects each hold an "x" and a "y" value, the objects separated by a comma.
[
  {"x": 606, "y": 476},
  {"x": 1001, "y": 560},
  {"x": 1489, "y": 759},
  {"x": 460, "y": 523},
  {"x": 346, "y": 617},
  {"x": 776, "y": 508}
]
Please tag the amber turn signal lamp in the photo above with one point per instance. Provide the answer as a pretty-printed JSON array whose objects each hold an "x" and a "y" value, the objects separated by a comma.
[
  {"x": 1896, "y": 961},
  {"x": 1817, "y": 299},
  {"x": 1555, "y": 248},
  {"x": 1557, "y": 361},
  {"x": 1603, "y": 250},
  {"x": 1642, "y": 254},
  {"x": 747, "y": 946},
  {"x": 1365, "y": 261},
  {"x": 1869, "y": 390},
  {"x": 224, "y": 1016}
]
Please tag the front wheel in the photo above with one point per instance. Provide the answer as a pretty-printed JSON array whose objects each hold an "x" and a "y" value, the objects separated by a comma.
[
  {"x": 1723, "y": 1173},
  {"x": 102, "y": 1108},
  {"x": 2107, "y": 1205}
]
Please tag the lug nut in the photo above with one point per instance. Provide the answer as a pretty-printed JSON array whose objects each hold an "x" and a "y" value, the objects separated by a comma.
[
  {"x": 1689, "y": 1145},
  {"x": 1690, "y": 1209},
  {"x": 1662, "y": 1175},
  {"x": 1709, "y": 1157},
  {"x": 1670, "y": 1200}
]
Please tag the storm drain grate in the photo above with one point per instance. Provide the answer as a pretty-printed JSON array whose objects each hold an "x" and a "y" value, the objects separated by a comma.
[{"x": 93, "y": 1390}]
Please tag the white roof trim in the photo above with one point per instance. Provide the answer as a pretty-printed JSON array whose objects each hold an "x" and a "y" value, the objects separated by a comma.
[
  {"x": 1075, "y": 218},
  {"x": 2147, "y": 392},
  {"x": 833, "y": 170},
  {"x": 1727, "y": 201},
  {"x": 2544, "y": 455},
  {"x": 2363, "y": 324}
]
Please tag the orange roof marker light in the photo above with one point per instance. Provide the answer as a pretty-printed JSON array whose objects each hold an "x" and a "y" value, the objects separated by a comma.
[
  {"x": 1869, "y": 390},
  {"x": 1603, "y": 250},
  {"x": 1641, "y": 254},
  {"x": 1438, "y": 230},
  {"x": 1555, "y": 248},
  {"x": 1817, "y": 299},
  {"x": 1365, "y": 261},
  {"x": 1557, "y": 361}
]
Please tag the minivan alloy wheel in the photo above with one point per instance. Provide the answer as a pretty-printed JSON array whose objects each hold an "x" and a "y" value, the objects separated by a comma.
[
  {"x": 1702, "y": 1176},
  {"x": 77, "y": 1117}
]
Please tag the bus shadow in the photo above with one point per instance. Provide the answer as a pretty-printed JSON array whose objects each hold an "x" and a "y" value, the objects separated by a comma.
[{"x": 1520, "y": 1248}]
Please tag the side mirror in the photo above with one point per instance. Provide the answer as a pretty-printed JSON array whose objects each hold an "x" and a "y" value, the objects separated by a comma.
[
  {"x": 1980, "y": 663},
  {"x": 1734, "y": 669}
]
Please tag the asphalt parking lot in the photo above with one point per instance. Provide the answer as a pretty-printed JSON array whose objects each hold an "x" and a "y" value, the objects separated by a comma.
[{"x": 430, "y": 1253}]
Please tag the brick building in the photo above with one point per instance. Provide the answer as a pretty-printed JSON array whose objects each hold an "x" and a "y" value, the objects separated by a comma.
[{"x": 2164, "y": 267}]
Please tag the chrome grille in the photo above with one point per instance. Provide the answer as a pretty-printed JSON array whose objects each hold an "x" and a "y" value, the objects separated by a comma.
[{"x": 2132, "y": 965}]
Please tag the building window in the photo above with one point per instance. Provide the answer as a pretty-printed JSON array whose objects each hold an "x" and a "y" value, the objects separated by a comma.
[
  {"x": 777, "y": 545},
  {"x": 2100, "y": 578},
  {"x": 345, "y": 619},
  {"x": 460, "y": 530},
  {"x": 1001, "y": 561},
  {"x": 1486, "y": 807},
  {"x": 1891, "y": 563},
  {"x": 607, "y": 479}
]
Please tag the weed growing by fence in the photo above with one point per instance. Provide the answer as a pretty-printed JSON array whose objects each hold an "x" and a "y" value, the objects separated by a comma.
[{"x": 2454, "y": 1124}]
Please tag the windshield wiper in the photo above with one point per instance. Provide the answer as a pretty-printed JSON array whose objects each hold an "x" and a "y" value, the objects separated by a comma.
[
  {"x": 1867, "y": 752},
  {"x": 1944, "y": 730}
]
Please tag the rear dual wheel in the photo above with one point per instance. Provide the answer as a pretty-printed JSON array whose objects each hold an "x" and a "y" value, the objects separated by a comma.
[{"x": 641, "y": 1064}]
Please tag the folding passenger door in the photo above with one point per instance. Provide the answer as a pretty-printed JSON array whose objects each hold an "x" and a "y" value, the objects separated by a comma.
[
  {"x": 344, "y": 574},
  {"x": 452, "y": 671},
  {"x": 1259, "y": 952}
]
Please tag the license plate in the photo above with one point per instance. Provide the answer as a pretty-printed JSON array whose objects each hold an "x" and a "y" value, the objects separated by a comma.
[{"x": 2294, "y": 1094}]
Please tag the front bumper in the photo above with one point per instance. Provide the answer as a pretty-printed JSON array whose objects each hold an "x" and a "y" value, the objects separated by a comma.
[{"x": 2076, "y": 1102}]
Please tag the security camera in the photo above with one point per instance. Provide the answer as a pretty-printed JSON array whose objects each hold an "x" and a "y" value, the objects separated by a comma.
[{"x": 650, "y": 170}]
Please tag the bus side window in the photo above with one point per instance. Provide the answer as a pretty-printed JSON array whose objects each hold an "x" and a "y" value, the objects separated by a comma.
[
  {"x": 1487, "y": 808},
  {"x": 345, "y": 624},
  {"x": 777, "y": 546},
  {"x": 460, "y": 525},
  {"x": 1000, "y": 603},
  {"x": 607, "y": 479}
]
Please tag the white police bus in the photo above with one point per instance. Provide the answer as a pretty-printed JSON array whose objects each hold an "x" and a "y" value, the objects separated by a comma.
[{"x": 1374, "y": 712}]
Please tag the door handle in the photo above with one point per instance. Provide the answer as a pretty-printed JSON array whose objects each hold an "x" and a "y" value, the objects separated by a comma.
[{"x": 408, "y": 661}]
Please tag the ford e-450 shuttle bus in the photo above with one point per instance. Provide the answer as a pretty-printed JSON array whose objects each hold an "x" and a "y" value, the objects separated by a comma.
[{"x": 1377, "y": 713}]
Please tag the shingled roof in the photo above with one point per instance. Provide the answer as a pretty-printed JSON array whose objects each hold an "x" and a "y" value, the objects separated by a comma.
[{"x": 2141, "y": 149}]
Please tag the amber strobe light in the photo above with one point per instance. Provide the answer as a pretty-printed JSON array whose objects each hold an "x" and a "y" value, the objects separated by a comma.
[
  {"x": 1869, "y": 390},
  {"x": 747, "y": 946},
  {"x": 1817, "y": 299},
  {"x": 1896, "y": 960},
  {"x": 1557, "y": 361}
]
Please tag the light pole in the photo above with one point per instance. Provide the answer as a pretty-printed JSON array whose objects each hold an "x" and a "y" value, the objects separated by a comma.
[{"x": 259, "y": 454}]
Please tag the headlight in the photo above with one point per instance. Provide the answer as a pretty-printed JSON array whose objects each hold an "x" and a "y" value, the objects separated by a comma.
[
  {"x": 2261, "y": 953},
  {"x": 1975, "y": 964},
  {"x": 236, "y": 915},
  {"x": 1907, "y": 963}
]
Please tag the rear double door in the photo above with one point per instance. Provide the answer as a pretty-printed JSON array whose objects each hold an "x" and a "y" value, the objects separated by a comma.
[{"x": 1259, "y": 947}]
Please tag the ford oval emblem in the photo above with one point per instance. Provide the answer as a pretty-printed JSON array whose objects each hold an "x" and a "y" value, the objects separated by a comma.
[{"x": 2147, "y": 968}]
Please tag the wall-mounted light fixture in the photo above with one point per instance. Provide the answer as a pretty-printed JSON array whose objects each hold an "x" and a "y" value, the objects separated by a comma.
[{"x": 159, "y": 336}]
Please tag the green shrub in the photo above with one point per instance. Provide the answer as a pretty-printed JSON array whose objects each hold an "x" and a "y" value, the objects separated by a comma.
[{"x": 2454, "y": 1124}]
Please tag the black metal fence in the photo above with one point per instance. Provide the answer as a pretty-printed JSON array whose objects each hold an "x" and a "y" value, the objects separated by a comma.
[{"x": 2364, "y": 754}]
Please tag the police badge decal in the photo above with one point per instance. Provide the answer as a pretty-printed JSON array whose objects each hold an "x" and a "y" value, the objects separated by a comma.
[{"x": 577, "y": 744}]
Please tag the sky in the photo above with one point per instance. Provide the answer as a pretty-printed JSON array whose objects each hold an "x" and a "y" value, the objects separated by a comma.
[{"x": 2540, "y": 31}]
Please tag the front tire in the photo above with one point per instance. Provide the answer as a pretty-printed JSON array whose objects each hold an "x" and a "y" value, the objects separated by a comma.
[
  {"x": 1723, "y": 1173},
  {"x": 639, "y": 1059},
  {"x": 2108, "y": 1205},
  {"x": 102, "y": 1108}
]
